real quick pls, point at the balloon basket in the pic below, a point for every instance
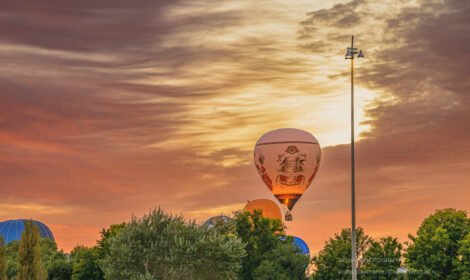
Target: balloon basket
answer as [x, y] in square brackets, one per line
[288, 216]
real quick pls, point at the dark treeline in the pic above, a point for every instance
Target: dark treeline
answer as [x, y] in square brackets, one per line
[249, 246]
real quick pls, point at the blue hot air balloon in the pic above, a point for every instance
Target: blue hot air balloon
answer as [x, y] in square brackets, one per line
[11, 230]
[300, 244]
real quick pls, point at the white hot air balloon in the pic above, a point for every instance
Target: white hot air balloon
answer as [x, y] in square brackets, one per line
[287, 161]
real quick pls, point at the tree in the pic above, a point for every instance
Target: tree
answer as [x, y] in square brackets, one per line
[462, 263]
[334, 260]
[55, 261]
[163, 246]
[433, 251]
[104, 243]
[261, 235]
[29, 255]
[270, 254]
[3, 260]
[86, 264]
[59, 269]
[382, 259]
[285, 262]
[11, 251]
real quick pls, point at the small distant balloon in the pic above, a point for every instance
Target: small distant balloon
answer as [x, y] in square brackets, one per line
[269, 208]
[287, 161]
[300, 244]
[216, 220]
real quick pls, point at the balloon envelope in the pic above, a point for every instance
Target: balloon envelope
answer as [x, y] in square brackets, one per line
[213, 221]
[303, 247]
[269, 208]
[287, 161]
[300, 244]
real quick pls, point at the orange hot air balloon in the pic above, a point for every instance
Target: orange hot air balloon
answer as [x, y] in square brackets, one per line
[269, 208]
[287, 160]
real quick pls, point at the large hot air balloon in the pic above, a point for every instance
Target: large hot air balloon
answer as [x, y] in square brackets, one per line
[287, 160]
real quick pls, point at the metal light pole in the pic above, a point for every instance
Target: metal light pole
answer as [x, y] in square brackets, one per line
[351, 54]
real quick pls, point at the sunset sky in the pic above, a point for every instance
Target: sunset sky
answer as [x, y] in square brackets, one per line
[111, 108]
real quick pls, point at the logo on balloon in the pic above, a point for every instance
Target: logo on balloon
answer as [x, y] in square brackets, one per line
[291, 167]
[262, 172]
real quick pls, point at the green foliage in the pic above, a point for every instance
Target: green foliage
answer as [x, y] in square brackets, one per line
[86, 263]
[334, 260]
[463, 259]
[29, 257]
[260, 235]
[55, 261]
[265, 249]
[11, 251]
[163, 246]
[104, 243]
[381, 260]
[59, 269]
[434, 250]
[3, 260]
[282, 263]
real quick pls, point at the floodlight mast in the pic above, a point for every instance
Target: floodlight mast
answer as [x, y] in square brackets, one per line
[351, 53]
